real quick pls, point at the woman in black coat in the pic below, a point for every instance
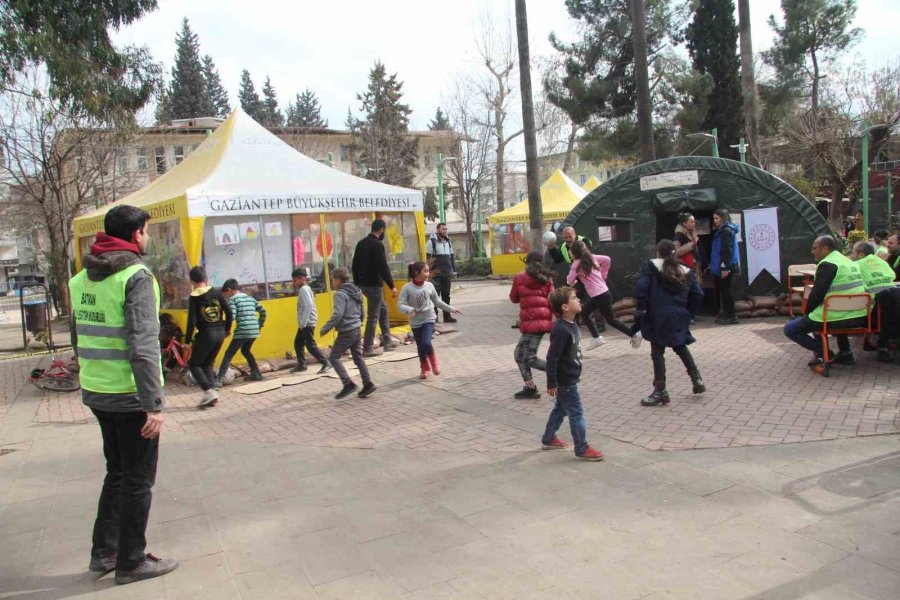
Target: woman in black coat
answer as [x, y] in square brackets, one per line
[667, 297]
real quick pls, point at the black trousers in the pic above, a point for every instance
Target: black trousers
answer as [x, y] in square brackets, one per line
[124, 505]
[244, 345]
[207, 344]
[726, 298]
[306, 339]
[442, 285]
[603, 303]
[889, 301]
[657, 354]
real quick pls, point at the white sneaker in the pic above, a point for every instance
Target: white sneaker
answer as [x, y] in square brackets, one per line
[209, 398]
[636, 340]
[594, 343]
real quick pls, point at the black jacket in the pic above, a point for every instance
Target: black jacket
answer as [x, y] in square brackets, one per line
[564, 354]
[207, 308]
[370, 267]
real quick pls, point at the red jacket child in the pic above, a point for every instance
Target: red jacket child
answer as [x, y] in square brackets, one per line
[530, 289]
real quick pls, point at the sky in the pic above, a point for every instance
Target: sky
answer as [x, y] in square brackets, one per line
[330, 46]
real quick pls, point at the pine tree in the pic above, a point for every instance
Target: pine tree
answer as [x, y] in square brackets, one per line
[188, 95]
[440, 122]
[382, 136]
[712, 39]
[163, 112]
[429, 206]
[271, 116]
[249, 99]
[305, 111]
[218, 97]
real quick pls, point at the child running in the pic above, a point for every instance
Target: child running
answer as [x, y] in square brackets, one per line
[591, 270]
[306, 323]
[209, 312]
[667, 297]
[347, 318]
[418, 299]
[563, 373]
[530, 289]
[245, 309]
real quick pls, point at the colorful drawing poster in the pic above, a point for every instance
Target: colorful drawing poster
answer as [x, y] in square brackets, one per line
[273, 229]
[227, 233]
[249, 231]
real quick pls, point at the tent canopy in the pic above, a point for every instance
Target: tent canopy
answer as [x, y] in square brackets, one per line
[243, 169]
[559, 195]
[591, 184]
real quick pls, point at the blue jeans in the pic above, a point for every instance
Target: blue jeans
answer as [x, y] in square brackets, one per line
[798, 330]
[568, 404]
[423, 335]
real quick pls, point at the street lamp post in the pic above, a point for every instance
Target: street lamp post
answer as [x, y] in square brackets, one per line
[742, 149]
[440, 174]
[865, 170]
[478, 200]
[714, 136]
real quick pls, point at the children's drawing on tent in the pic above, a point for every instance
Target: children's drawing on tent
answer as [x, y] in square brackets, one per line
[273, 229]
[227, 233]
[250, 230]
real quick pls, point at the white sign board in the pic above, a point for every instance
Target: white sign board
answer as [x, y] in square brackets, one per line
[763, 247]
[672, 179]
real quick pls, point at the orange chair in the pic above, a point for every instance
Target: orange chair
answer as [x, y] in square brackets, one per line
[798, 271]
[844, 302]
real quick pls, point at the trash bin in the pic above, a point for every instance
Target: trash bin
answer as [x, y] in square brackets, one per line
[36, 315]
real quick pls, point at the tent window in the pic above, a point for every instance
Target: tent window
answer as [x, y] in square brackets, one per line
[611, 229]
[510, 239]
[306, 240]
[160, 160]
[401, 242]
[167, 259]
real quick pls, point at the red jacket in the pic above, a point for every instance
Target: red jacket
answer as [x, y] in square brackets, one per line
[530, 293]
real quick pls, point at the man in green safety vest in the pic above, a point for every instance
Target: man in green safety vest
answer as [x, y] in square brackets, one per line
[835, 274]
[878, 276]
[115, 304]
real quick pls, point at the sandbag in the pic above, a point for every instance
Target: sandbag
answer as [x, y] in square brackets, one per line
[743, 306]
[763, 302]
[629, 303]
[763, 312]
[785, 311]
[744, 314]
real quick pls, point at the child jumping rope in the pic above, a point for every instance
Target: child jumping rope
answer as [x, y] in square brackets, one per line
[418, 299]
[530, 289]
[667, 297]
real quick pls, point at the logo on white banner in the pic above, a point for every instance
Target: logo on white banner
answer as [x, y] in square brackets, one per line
[763, 250]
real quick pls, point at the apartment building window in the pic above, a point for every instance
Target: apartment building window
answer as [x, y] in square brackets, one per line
[179, 154]
[345, 153]
[123, 161]
[583, 178]
[429, 158]
[141, 155]
[160, 160]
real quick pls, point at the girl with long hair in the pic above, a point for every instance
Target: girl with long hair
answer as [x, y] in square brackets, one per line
[418, 299]
[591, 270]
[530, 289]
[668, 295]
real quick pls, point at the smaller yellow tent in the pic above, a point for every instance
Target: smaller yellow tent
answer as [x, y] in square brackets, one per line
[509, 245]
[591, 184]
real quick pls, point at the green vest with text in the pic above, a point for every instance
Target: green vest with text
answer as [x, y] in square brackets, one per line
[99, 311]
[848, 280]
[565, 249]
[877, 274]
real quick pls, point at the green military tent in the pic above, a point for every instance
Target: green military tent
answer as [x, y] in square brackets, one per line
[626, 216]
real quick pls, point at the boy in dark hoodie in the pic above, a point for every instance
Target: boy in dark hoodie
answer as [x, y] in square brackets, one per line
[209, 312]
[346, 318]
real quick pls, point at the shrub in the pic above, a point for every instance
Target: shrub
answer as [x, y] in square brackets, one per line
[474, 267]
[857, 235]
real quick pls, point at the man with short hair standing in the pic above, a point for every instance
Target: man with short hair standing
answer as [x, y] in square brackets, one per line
[439, 252]
[115, 304]
[893, 259]
[370, 274]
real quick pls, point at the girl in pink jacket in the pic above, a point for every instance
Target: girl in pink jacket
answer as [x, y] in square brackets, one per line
[591, 271]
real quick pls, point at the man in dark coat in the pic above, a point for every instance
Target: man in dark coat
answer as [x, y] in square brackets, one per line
[370, 274]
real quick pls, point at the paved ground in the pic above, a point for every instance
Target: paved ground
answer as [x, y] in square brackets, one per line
[438, 490]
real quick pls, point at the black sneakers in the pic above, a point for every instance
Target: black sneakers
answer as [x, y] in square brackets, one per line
[527, 393]
[102, 564]
[366, 390]
[150, 568]
[345, 391]
[299, 369]
[844, 358]
[325, 368]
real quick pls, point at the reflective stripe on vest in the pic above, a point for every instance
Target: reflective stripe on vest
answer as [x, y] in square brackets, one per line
[848, 280]
[565, 249]
[99, 311]
[877, 275]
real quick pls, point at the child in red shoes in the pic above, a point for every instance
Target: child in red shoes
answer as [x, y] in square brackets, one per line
[418, 299]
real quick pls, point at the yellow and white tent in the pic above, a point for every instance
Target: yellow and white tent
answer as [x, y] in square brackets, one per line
[509, 244]
[591, 184]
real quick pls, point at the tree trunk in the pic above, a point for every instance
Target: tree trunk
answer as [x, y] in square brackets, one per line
[642, 81]
[499, 171]
[535, 211]
[570, 147]
[814, 99]
[836, 208]
[748, 82]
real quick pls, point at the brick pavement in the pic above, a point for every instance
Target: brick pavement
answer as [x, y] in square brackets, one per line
[760, 393]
